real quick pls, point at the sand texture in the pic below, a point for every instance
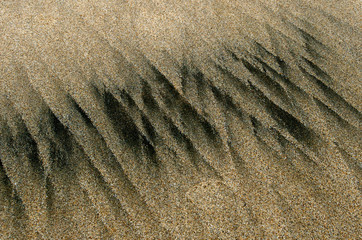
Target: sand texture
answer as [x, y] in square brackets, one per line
[198, 119]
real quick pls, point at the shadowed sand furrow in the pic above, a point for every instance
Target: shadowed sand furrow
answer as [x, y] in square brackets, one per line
[171, 120]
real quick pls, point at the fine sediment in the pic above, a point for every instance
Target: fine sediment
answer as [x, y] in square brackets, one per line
[180, 120]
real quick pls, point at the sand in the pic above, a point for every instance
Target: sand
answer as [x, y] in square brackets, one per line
[180, 119]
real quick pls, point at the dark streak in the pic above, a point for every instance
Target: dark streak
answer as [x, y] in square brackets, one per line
[62, 147]
[121, 121]
[150, 130]
[318, 71]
